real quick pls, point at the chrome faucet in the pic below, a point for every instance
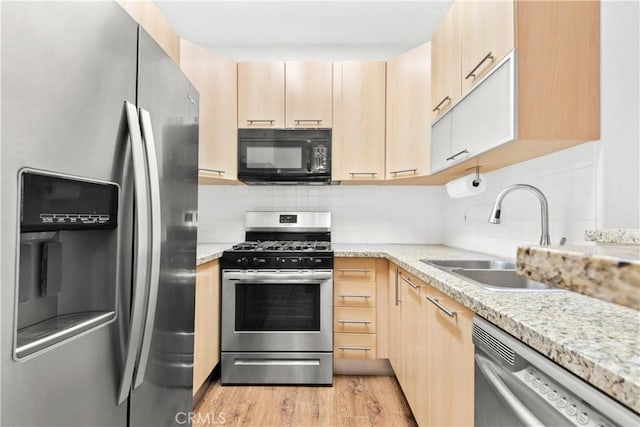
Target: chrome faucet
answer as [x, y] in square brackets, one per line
[545, 240]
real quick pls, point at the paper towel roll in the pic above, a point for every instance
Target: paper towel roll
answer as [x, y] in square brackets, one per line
[466, 186]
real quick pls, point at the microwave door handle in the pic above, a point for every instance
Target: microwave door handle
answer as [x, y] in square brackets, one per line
[309, 157]
[141, 256]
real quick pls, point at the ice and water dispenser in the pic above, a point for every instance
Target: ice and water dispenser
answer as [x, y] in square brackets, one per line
[68, 251]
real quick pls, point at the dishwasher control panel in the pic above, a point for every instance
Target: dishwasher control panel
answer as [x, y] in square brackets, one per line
[565, 402]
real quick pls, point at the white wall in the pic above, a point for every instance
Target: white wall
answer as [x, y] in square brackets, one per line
[594, 185]
[360, 214]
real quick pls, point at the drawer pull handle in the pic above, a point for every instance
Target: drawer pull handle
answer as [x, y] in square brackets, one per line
[364, 322]
[465, 151]
[354, 270]
[446, 98]
[372, 174]
[394, 173]
[219, 172]
[472, 73]
[354, 296]
[437, 303]
[317, 121]
[413, 285]
[252, 121]
[348, 347]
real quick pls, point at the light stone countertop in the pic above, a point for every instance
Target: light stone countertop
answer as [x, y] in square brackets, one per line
[209, 251]
[618, 236]
[596, 340]
[607, 272]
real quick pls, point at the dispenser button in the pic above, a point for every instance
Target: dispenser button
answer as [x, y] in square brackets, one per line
[562, 402]
[553, 395]
[528, 377]
[536, 383]
[572, 410]
[544, 388]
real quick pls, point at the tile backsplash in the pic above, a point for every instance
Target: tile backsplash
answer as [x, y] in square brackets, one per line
[360, 214]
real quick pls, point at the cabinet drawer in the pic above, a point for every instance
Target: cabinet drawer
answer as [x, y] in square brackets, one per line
[354, 346]
[358, 294]
[354, 319]
[354, 269]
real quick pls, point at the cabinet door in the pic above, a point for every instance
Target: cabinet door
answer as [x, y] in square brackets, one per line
[215, 77]
[261, 94]
[206, 342]
[441, 143]
[395, 321]
[486, 117]
[308, 94]
[487, 36]
[359, 125]
[450, 363]
[446, 81]
[409, 113]
[415, 351]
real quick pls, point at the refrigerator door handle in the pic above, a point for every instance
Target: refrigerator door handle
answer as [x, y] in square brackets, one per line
[141, 258]
[156, 224]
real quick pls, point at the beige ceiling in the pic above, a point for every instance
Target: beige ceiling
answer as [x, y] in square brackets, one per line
[306, 30]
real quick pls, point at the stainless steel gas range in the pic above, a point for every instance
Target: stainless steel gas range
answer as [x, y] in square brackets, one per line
[277, 301]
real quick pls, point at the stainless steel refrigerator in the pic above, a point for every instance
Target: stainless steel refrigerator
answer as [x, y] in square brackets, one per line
[99, 202]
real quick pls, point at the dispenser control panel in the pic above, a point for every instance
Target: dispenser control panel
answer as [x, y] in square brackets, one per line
[54, 202]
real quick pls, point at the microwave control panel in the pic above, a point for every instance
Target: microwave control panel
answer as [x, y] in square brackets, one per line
[320, 155]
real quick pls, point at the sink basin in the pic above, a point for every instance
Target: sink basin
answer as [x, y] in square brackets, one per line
[483, 264]
[494, 274]
[502, 279]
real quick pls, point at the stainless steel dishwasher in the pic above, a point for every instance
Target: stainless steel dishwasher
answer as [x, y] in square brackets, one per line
[517, 386]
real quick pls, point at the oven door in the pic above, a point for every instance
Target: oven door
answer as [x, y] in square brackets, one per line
[277, 310]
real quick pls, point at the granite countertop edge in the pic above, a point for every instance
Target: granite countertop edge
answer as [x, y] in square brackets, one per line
[591, 338]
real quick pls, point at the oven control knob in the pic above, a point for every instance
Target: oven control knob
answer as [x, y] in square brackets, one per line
[242, 261]
[281, 260]
[256, 261]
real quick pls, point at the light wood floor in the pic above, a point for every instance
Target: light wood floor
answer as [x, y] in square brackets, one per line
[352, 401]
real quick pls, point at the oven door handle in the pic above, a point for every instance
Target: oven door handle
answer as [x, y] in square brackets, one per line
[264, 277]
[489, 371]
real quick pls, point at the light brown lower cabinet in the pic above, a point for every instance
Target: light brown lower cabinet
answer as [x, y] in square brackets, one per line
[431, 352]
[206, 342]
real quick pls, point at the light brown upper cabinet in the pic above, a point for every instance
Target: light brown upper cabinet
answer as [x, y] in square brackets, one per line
[308, 94]
[278, 94]
[214, 76]
[358, 142]
[446, 67]
[518, 104]
[408, 114]
[261, 94]
[487, 36]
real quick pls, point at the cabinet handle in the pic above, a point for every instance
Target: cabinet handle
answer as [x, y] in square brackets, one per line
[465, 151]
[348, 347]
[394, 173]
[446, 98]
[354, 296]
[472, 73]
[373, 174]
[252, 121]
[354, 270]
[437, 303]
[363, 322]
[219, 172]
[397, 296]
[413, 285]
[317, 121]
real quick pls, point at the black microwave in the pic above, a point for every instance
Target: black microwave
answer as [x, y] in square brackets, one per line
[284, 156]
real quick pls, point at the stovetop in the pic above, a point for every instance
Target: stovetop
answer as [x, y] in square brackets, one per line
[283, 246]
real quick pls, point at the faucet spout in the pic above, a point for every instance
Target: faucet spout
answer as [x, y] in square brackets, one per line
[494, 218]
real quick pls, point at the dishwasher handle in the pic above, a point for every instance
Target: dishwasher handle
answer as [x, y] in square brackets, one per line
[489, 371]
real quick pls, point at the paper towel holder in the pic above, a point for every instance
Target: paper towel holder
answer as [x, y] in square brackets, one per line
[476, 182]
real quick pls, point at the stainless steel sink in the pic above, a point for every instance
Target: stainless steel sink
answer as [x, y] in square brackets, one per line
[481, 264]
[502, 279]
[494, 274]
